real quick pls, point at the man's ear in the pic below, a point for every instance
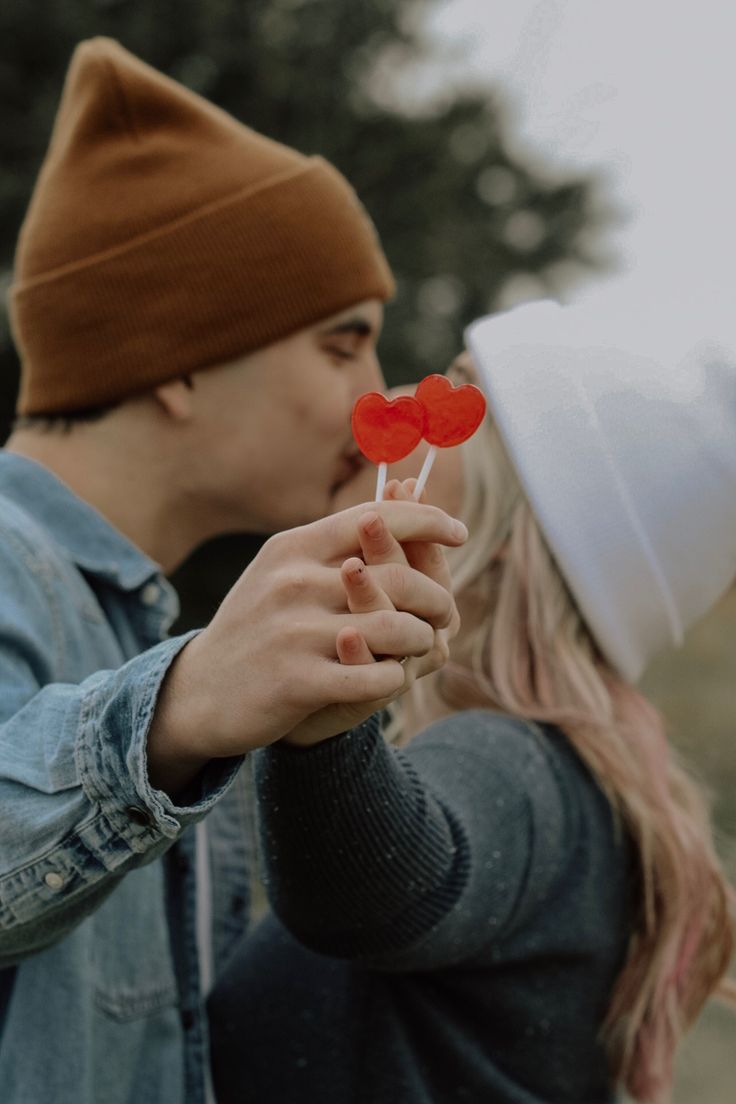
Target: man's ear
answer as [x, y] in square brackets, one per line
[175, 399]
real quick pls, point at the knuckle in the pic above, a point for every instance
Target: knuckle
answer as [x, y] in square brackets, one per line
[449, 612]
[283, 546]
[412, 636]
[435, 555]
[443, 605]
[383, 544]
[432, 557]
[293, 636]
[428, 635]
[290, 584]
[396, 583]
[401, 633]
[386, 626]
[439, 603]
[453, 626]
[273, 547]
[338, 533]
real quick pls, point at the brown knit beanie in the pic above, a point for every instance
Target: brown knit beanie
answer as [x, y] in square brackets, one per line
[163, 237]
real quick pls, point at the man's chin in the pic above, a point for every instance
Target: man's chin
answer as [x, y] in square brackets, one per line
[268, 525]
[352, 492]
[342, 497]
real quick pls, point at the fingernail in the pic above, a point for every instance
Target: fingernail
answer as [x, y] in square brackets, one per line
[459, 530]
[374, 528]
[357, 573]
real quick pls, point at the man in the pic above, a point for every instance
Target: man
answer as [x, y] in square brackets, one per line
[196, 309]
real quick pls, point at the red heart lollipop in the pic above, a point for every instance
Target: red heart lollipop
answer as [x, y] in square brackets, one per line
[453, 413]
[387, 431]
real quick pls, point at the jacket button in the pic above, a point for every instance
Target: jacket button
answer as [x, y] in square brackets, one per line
[53, 880]
[139, 816]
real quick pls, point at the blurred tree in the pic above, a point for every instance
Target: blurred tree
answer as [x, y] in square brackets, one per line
[466, 225]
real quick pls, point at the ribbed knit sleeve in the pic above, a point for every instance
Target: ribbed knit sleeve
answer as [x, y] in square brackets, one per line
[416, 858]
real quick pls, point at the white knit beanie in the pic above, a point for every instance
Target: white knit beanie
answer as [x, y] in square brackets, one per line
[621, 423]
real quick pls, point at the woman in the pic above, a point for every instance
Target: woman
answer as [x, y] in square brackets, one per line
[522, 904]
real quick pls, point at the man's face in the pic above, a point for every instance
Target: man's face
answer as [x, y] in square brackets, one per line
[280, 419]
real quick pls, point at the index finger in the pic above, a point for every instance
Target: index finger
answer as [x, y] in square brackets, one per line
[337, 536]
[423, 556]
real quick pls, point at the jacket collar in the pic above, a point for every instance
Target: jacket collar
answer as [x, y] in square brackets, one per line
[87, 538]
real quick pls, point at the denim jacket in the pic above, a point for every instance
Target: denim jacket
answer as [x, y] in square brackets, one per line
[99, 977]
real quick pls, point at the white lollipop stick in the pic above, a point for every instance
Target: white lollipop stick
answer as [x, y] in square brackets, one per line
[381, 481]
[424, 473]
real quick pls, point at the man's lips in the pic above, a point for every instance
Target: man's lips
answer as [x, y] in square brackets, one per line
[350, 464]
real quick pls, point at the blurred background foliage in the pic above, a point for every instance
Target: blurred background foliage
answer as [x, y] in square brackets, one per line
[466, 224]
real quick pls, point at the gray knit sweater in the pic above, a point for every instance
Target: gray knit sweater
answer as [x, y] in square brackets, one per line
[466, 904]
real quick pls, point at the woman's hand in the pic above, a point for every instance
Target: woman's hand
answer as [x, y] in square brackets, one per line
[384, 569]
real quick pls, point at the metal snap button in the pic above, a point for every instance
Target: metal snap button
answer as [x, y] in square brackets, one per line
[139, 816]
[53, 880]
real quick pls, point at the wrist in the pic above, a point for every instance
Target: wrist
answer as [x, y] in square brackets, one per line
[175, 752]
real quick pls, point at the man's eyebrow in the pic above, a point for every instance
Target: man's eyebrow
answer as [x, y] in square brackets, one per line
[359, 326]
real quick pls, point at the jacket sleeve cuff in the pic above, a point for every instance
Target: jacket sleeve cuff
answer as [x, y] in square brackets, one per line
[111, 750]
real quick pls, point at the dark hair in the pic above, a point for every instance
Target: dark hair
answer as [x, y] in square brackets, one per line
[61, 423]
[64, 423]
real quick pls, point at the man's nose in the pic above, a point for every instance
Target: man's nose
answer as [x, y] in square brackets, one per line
[370, 377]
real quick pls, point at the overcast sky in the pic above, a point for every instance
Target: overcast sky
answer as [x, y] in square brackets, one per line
[643, 88]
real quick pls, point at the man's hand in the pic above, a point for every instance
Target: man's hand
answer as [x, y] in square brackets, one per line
[364, 594]
[268, 659]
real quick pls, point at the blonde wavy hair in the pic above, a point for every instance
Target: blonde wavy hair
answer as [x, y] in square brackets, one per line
[530, 654]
